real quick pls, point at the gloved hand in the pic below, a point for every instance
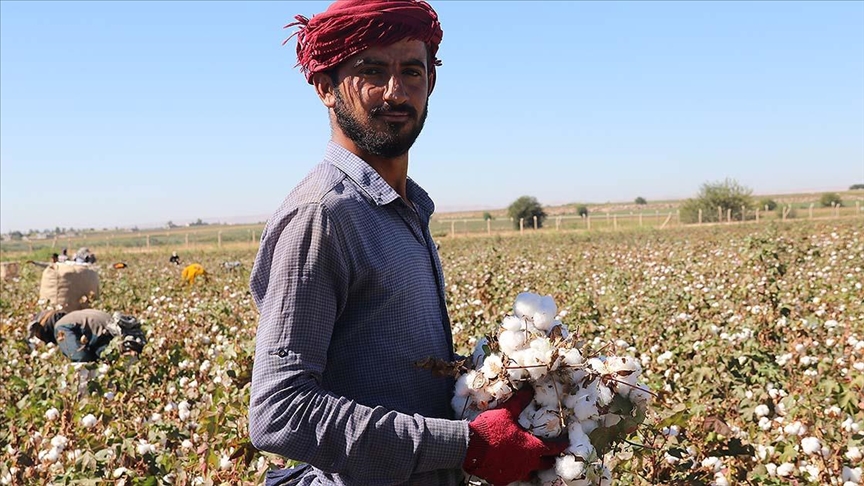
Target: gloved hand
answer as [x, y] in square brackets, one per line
[500, 451]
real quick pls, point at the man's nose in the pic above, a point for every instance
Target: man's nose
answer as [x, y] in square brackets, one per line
[394, 92]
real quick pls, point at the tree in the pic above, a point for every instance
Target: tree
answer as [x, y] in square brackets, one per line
[526, 207]
[487, 216]
[171, 225]
[855, 187]
[830, 199]
[726, 195]
[641, 201]
[582, 211]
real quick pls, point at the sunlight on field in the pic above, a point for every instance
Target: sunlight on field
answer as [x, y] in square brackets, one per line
[753, 335]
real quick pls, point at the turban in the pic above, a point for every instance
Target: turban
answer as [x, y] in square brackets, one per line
[350, 26]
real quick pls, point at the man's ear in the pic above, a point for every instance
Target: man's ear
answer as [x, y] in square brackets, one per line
[433, 76]
[325, 88]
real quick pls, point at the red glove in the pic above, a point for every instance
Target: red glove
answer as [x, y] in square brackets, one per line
[500, 451]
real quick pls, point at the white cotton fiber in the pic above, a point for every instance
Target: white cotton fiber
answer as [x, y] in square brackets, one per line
[569, 468]
[546, 393]
[513, 323]
[511, 341]
[526, 305]
[492, 366]
[544, 314]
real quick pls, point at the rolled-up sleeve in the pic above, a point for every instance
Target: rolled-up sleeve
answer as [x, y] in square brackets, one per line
[300, 282]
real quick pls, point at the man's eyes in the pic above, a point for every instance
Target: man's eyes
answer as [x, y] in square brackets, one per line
[379, 72]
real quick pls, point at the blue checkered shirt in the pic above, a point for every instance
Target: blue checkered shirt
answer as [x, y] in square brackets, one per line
[351, 294]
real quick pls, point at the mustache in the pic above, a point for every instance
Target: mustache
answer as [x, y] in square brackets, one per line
[387, 108]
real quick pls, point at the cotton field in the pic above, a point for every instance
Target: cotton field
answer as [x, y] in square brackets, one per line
[751, 337]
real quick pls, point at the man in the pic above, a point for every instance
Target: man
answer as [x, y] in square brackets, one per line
[349, 284]
[83, 335]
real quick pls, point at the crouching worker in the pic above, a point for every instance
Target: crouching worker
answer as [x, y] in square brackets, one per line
[83, 335]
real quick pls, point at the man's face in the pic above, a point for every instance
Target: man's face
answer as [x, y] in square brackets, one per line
[381, 98]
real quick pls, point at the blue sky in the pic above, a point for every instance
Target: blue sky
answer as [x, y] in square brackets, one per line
[136, 113]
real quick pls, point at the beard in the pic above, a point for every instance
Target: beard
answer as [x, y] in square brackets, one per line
[387, 143]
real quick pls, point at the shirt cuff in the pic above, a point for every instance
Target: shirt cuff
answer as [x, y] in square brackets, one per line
[446, 446]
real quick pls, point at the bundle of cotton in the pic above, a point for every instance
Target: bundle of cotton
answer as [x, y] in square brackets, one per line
[595, 400]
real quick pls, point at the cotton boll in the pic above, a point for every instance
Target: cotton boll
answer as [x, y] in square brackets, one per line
[604, 395]
[572, 357]
[89, 420]
[546, 392]
[500, 390]
[513, 323]
[461, 388]
[526, 305]
[811, 445]
[852, 475]
[511, 341]
[623, 366]
[493, 366]
[543, 347]
[580, 444]
[545, 312]
[639, 396]
[569, 468]
[531, 363]
[583, 403]
[546, 423]
[598, 365]
[526, 417]
[482, 399]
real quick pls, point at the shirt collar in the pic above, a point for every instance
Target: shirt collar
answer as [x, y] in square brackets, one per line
[368, 179]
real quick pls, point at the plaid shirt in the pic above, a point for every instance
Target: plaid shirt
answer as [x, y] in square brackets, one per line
[351, 294]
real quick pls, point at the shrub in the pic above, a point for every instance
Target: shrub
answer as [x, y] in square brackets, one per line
[641, 201]
[726, 195]
[582, 211]
[487, 216]
[830, 199]
[768, 204]
[526, 207]
[855, 187]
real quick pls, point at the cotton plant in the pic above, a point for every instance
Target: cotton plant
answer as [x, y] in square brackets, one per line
[591, 400]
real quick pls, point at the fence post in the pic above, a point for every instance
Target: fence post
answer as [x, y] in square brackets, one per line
[452, 227]
[857, 207]
[719, 214]
[729, 215]
[219, 236]
[640, 219]
[757, 214]
[488, 226]
[187, 240]
[588, 220]
[615, 221]
[521, 225]
[557, 223]
[678, 216]
[743, 213]
[54, 243]
[700, 216]
[810, 211]
[148, 240]
[785, 212]
[535, 221]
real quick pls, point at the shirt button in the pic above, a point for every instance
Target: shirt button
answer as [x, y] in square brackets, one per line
[282, 353]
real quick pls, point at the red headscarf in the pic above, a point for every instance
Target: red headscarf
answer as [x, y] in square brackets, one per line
[350, 26]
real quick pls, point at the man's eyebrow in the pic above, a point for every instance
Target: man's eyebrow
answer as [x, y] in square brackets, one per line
[369, 61]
